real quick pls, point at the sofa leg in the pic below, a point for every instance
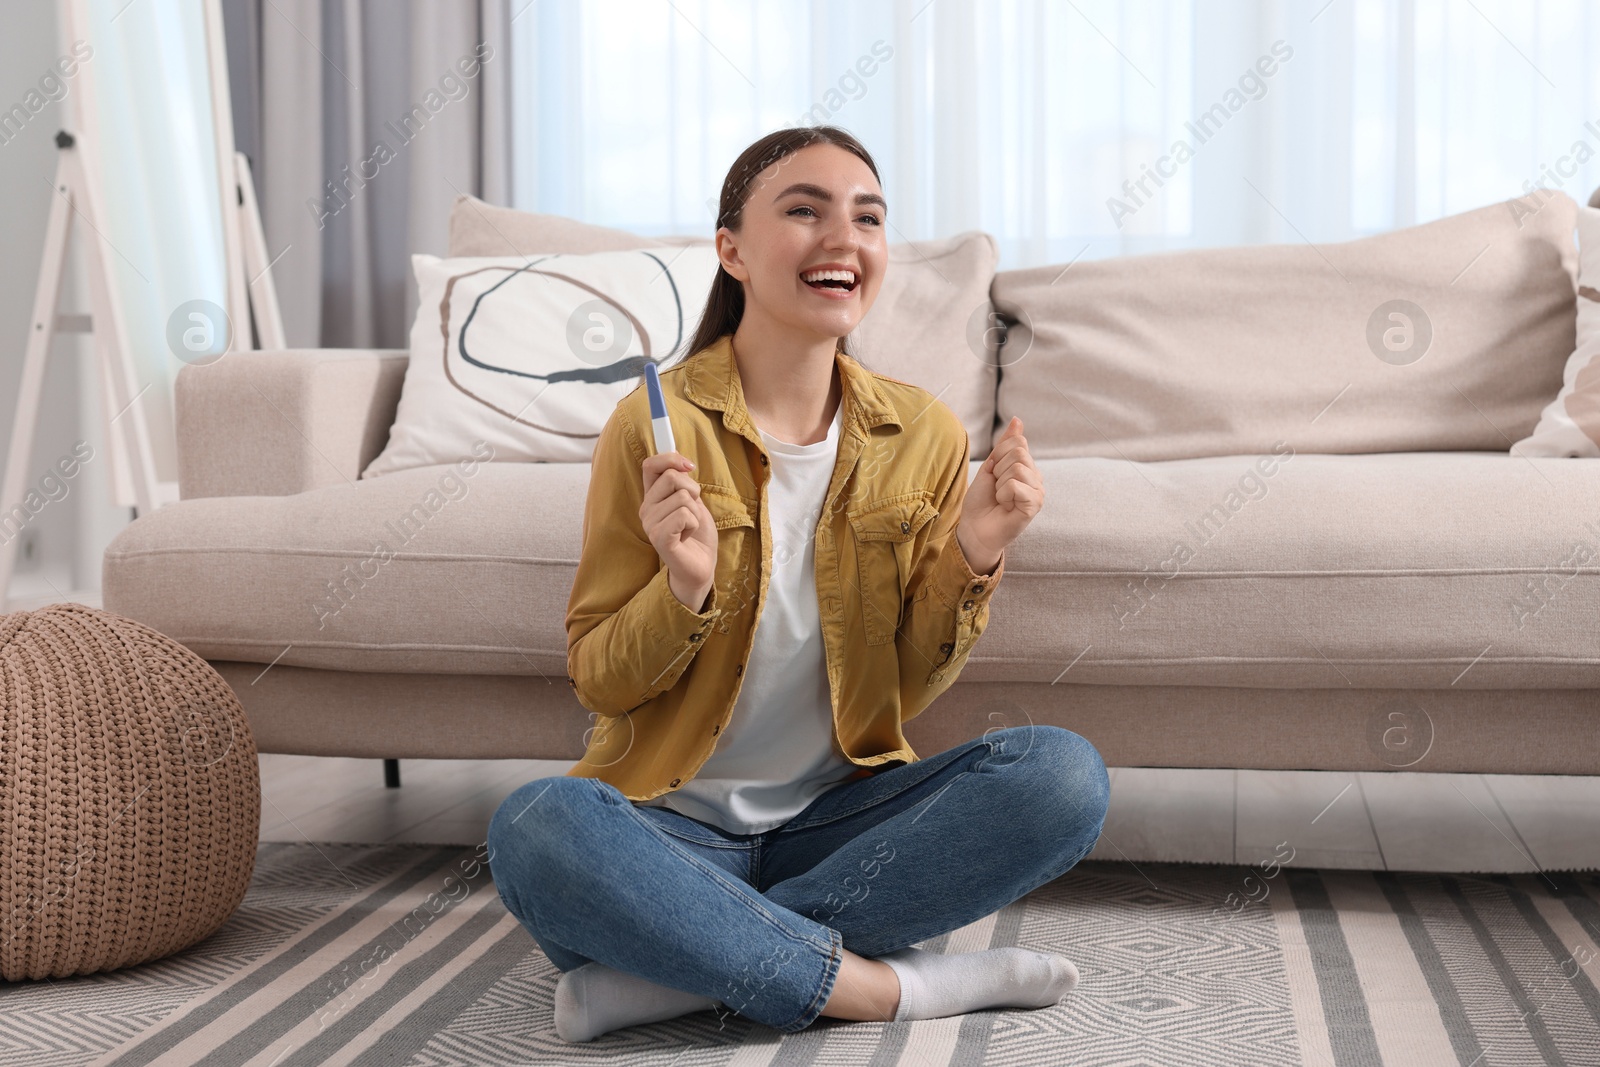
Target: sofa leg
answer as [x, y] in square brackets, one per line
[391, 773]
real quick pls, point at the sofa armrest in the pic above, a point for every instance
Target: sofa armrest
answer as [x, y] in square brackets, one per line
[279, 423]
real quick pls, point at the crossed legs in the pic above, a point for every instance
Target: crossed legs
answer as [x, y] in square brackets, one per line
[797, 928]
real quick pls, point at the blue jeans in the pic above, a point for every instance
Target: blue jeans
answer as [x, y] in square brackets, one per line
[758, 921]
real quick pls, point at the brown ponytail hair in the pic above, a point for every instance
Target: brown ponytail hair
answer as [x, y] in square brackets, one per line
[757, 165]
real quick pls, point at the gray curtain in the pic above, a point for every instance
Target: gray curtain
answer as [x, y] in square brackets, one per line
[363, 119]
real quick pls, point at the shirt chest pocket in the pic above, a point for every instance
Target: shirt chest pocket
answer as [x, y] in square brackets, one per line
[738, 577]
[885, 537]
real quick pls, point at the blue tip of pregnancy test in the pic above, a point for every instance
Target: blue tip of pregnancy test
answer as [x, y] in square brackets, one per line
[652, 381]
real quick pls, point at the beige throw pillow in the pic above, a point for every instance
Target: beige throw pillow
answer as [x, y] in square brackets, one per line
[1570, 424]
[1450, 335]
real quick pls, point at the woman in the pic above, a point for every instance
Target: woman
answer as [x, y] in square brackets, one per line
[748, 827]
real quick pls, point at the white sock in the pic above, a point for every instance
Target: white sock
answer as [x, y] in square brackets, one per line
[933, 985]
[595, 999]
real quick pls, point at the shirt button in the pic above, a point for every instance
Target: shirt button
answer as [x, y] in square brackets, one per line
[905, 527]
[696, 637]
[675, 781]
[739, 669]
[715, 728]
[763, 459]
[946, 648]
[571, 681]
[967, 606]
[978, 588]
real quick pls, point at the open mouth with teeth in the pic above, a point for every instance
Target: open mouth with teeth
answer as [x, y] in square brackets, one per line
[841, 280]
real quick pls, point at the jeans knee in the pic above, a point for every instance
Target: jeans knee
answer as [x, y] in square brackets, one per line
[1084, 777]
[1068, 785]
[530, 820]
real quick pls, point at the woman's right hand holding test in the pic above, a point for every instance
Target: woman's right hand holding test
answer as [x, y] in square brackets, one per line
[680, 527]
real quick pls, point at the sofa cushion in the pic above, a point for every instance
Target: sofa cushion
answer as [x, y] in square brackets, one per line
[1311, 571]
[461, 568]
[1408, 570]
[479, 228]
[927, 326]
[1448, 335]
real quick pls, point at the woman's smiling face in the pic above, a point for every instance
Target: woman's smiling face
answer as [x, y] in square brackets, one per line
[820, 207]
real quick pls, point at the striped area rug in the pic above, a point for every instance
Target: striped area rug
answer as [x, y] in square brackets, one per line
[404, 954]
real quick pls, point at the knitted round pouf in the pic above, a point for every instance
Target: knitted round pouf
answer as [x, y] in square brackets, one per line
[130, 798]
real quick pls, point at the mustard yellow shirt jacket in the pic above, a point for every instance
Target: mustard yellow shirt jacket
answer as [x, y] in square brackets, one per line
[900, 606]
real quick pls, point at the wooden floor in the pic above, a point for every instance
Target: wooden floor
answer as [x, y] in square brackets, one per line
[1399, 820]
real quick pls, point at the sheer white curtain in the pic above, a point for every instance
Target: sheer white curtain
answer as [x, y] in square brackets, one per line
[1068, 128]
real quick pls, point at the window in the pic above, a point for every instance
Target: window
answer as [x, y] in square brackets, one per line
[1057, 126]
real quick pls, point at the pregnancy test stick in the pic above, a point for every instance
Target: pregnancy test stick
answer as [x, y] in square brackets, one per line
[658, 410]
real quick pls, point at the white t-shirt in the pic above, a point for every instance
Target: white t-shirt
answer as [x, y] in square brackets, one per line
[776, 755]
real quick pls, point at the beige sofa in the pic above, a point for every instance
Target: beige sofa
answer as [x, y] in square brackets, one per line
[1371, 581]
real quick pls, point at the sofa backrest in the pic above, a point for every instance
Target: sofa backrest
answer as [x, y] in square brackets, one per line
[928, 325]
[1450, 335]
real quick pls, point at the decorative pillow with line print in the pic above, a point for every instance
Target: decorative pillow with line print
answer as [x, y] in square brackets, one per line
[532, 353]
[1570, 424]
